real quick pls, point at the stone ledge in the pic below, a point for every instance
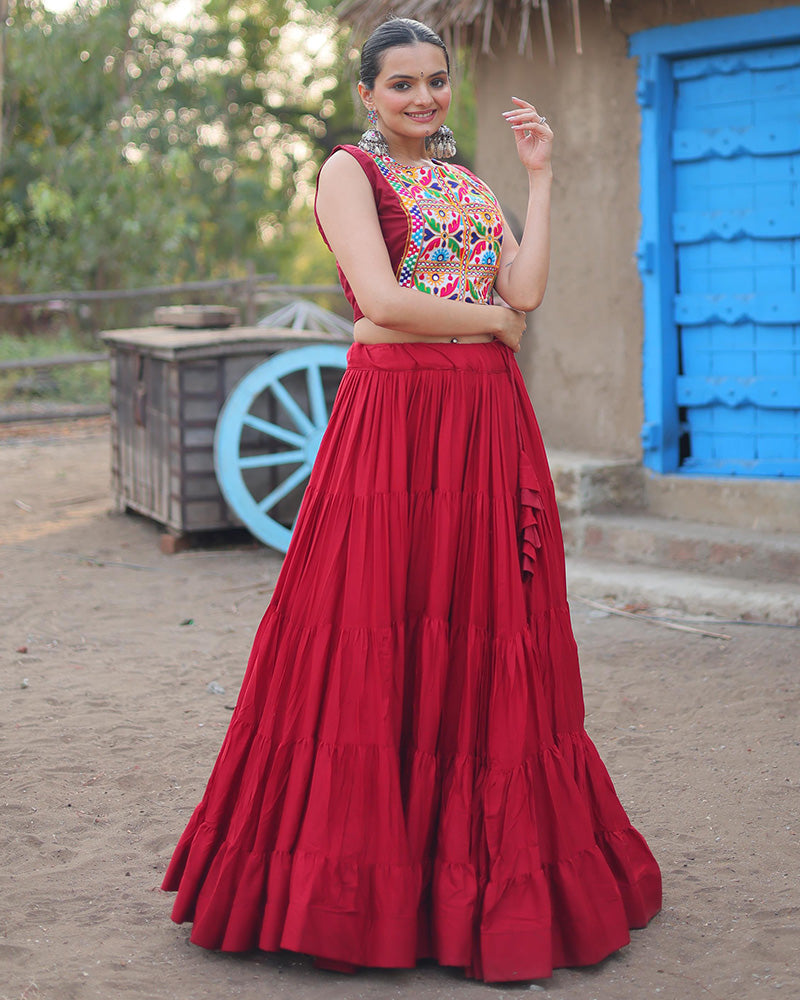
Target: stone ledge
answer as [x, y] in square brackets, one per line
[754, 504]
[689, 546]
[688, 592]
[587, 484]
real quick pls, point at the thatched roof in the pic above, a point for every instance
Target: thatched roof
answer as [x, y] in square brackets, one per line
[474, 23]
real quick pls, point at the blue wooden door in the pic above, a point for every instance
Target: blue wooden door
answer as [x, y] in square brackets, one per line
[736, 231]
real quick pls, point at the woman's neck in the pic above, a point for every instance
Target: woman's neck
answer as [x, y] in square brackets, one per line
[410, 154]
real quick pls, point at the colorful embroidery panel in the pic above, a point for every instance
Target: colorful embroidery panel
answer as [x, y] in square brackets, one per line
[455, 230]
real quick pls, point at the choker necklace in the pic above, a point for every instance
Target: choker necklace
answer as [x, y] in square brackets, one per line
[414, 166]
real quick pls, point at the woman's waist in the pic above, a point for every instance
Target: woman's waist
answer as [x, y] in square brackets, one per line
[485, 355]
[367, 332]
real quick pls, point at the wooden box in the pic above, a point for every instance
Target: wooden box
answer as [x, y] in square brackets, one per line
[167, 388]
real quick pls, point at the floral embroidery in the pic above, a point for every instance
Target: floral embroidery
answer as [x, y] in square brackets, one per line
[441, 254]
[454, 220]
[444, 283]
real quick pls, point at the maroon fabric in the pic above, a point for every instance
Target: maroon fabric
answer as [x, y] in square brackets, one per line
[406, 773]
[392, 216]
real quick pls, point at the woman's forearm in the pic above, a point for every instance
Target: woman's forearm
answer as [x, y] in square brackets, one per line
[412, 311]
[522, 282]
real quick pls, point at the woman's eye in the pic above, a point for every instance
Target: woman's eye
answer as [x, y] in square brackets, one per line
[438, 83]
[401, 86]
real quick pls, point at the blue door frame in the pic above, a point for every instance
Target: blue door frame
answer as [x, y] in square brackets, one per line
[658, 50]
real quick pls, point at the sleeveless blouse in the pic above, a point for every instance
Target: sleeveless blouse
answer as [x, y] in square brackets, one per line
[442, 226]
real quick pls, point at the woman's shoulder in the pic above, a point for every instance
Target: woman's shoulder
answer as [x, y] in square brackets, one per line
[347, 161]
[347, 153]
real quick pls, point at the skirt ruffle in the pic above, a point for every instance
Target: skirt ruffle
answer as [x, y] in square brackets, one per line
[531, 507]
[406, 774]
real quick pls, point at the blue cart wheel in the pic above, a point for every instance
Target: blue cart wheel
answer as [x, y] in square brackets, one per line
[268, 434]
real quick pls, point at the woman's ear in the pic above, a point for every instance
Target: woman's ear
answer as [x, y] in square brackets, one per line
[366, 96]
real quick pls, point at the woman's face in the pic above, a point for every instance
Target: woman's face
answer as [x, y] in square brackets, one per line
[412, 91]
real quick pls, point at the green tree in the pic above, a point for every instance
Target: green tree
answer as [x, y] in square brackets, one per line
[138, 149]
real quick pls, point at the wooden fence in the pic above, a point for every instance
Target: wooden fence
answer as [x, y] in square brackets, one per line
[254, 291]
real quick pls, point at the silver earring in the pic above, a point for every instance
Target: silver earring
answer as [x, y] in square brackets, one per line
[373, 140]
[442, 144]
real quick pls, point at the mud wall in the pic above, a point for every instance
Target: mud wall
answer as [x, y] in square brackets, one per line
[582, 354]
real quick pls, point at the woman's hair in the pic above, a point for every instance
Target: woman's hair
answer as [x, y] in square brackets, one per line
[395, 31]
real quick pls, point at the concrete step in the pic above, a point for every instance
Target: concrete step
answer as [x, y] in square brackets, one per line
[758, 504]
[725, 546]
[691, 593]
[591, 484]
[587, 483]
[688, 546]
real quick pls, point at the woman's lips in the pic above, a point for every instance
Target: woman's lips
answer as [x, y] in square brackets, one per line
[421, 116]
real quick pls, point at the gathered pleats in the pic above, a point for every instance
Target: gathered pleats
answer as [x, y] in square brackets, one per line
[406, 773]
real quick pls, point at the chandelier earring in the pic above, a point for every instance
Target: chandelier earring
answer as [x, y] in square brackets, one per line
[442, 144]
[373, 140]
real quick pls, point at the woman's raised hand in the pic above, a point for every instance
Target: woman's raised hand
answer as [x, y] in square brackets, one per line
[533, 135]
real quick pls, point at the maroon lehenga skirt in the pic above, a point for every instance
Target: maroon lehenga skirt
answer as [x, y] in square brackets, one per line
[406, 774]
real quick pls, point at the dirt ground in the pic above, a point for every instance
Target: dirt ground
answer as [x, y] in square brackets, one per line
[108, 732]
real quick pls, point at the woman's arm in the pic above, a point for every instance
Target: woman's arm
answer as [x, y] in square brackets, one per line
[346, 210]
[524, 266]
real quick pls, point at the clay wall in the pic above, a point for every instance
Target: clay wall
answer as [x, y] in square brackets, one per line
[582, 354]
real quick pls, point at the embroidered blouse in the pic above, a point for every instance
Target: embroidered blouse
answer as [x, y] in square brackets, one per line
[442, 226]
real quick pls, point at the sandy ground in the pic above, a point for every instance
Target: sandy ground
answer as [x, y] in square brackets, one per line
[108, 732]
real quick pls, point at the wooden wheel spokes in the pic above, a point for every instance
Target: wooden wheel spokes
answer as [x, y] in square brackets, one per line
[284, 401]
[285, 488]
[275, 458]
[273, 430]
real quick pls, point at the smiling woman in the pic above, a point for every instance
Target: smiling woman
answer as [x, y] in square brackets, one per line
[406, 774]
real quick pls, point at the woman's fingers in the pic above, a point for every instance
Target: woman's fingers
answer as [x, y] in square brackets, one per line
[514, 327]
[525, 118]
[523, 108]
[528, 118]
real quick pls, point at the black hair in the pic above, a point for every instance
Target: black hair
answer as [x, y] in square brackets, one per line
[396, 31]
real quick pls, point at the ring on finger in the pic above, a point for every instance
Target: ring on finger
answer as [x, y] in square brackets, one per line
[542, 120]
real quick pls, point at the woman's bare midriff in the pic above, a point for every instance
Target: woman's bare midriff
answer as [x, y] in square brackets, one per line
[367, 332]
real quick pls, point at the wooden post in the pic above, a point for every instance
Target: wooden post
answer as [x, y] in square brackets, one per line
[250, 294]
[3, 29]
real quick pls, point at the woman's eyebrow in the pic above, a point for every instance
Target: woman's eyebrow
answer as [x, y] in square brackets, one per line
[411, 76]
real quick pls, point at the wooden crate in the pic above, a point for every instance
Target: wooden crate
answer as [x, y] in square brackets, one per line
[167, 388]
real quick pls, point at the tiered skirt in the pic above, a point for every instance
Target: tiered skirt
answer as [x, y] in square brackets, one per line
[406, 774]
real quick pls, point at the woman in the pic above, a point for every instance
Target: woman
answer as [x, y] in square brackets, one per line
[406, 774]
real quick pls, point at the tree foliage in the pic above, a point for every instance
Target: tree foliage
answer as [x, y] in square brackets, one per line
[140, 149]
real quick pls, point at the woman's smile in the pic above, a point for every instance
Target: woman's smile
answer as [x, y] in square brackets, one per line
[422, 116]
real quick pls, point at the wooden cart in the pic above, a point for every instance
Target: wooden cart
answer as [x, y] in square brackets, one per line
[169, 389]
